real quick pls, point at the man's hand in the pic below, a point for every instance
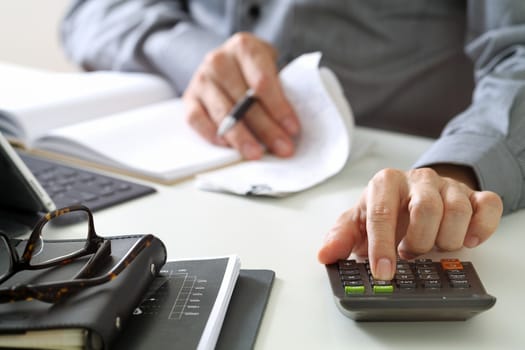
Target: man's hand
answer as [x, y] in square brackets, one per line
[410, 213]
[242, 62]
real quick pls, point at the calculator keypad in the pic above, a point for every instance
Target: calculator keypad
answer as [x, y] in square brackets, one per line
[424, 274]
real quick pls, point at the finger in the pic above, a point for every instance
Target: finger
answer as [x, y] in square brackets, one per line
[383, 202]
[269, 132]
[198, 119]
[258, 66]
[223, 69]
[457, 212]
[342, 238]
[488, 209]
[425, 209]
[218, 105]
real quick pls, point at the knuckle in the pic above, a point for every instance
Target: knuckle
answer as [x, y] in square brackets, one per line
[216, 60]
[243, 41]
[423, 206]
[458, 208]
[423, 174]
[262, 83]
[199, 79]
[386, 175]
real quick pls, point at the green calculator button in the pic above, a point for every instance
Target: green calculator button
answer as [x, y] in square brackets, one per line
[383, 289]
[354, 289]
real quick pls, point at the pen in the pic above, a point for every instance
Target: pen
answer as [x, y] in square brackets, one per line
[237, 113]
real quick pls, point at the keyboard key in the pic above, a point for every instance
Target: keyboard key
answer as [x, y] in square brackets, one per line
[68, 185]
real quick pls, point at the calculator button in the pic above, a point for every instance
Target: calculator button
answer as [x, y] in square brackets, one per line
[406, 284]
[457, 276]
[350, 277]
[347, 264]
[432, 284]
[403, 266]
[431, 276]
[459, 284]
[425, 270]
[380, 289]
[350, 272]
[400, 276]
[375, 282]
[354, 290]
[353, 283]
[451, 264]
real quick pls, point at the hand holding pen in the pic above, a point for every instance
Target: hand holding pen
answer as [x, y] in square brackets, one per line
[237, 113]
[239, 82]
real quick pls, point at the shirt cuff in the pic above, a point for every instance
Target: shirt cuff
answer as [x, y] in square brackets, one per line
[176, 53]
[493, 163]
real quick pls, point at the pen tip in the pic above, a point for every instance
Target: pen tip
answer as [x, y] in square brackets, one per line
[225, 125]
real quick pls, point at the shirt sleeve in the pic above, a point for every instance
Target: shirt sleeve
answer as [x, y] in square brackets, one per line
[489, 136]
[156, 36]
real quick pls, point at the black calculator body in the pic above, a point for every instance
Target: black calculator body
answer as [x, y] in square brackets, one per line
[422, 290]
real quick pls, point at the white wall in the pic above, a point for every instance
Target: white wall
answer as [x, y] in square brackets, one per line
[29, 33]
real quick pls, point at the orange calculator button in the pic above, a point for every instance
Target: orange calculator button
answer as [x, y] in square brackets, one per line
[451, 264]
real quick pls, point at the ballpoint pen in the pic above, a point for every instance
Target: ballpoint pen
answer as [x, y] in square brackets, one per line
[237, 113]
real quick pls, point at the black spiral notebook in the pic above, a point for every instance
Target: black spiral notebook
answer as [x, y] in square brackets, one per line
[176, 311]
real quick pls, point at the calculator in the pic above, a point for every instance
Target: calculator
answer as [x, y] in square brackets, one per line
[422, 290]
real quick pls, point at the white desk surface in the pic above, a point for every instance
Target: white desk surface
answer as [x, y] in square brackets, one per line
[284, 235]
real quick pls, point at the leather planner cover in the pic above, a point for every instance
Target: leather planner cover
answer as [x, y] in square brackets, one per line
[95, 314]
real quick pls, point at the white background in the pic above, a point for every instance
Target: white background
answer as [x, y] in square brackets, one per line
[29, 33]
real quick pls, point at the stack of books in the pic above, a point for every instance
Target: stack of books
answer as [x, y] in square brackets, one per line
[152, 304]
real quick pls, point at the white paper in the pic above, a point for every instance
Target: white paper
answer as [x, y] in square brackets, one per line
[322, 149]
[40, 100]
[154, 140]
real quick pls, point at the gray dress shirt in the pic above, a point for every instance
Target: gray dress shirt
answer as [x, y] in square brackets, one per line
[450, 69]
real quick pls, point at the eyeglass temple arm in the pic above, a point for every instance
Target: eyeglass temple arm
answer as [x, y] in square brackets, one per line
[96, 261]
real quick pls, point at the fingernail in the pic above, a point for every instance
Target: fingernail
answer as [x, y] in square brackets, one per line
[383, 269]
[282, 147]
[291, 126]
[251, 150]
[471, 241]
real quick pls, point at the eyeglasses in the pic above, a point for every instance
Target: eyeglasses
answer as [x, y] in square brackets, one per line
[35, 256]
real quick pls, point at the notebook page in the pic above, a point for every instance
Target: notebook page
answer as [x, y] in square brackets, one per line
[33, 101]
[154, 141]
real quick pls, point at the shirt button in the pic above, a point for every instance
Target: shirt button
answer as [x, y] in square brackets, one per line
[254, 11]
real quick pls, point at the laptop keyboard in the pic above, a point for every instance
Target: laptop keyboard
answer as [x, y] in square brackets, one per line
[68, 185]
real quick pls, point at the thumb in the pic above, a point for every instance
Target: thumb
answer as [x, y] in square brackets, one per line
[341, 239]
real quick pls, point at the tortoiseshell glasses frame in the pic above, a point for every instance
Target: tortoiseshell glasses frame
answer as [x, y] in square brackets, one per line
[96, 246]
